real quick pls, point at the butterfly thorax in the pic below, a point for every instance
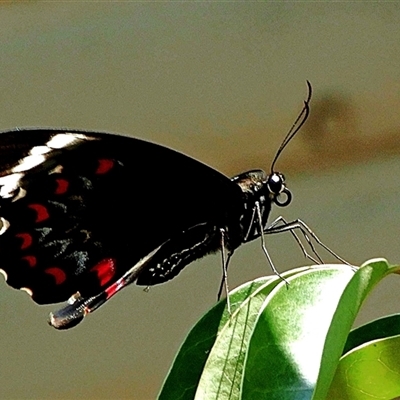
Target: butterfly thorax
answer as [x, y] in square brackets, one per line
[260, 190]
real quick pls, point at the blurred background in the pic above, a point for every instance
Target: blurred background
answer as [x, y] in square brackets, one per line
[221, 82]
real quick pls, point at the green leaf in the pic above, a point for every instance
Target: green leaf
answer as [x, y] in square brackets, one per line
[371, 371]
[280, 342]
[378, 329]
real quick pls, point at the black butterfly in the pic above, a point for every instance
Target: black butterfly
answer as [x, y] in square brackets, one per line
[84, 214]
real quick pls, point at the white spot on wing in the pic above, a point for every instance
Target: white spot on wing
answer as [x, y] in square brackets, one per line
[4, 273]
[56, 170]
[38, 150]
[9, 184]
[27, 290]
[29, 162]
[65, 139]
[4, 225]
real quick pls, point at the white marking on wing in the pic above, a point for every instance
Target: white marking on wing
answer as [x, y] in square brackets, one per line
[4, 273]
[27, 290]
[9, 184]
[66, 139]
[29, 162]
[38, 150]
[5, 225]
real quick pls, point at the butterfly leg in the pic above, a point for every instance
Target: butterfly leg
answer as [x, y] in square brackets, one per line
[263, 246]
[281, 220]
[225, 263]
[305, 230]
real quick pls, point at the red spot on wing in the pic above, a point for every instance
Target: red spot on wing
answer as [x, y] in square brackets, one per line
[26, 240]
[31, 260]
[111, 290]
[105, 165]
[42, 213]
[62, 186]
[115, 288]
[58, 274]
[105, 270]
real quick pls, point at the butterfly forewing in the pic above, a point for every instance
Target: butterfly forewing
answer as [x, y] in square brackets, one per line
[79, 209]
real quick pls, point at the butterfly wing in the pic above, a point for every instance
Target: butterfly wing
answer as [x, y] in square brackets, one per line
[79, 209]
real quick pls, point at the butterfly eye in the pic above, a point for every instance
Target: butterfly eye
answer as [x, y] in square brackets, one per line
[276, 186]
[276, 183]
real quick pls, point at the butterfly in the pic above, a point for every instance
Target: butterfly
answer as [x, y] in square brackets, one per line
[84, 214]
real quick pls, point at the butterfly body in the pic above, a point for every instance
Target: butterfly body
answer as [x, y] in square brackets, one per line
[80, 209]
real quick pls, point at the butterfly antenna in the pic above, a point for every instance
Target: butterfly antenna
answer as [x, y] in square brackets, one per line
[298, 123]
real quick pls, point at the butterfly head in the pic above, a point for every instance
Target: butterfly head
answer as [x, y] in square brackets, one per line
[277, 190]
